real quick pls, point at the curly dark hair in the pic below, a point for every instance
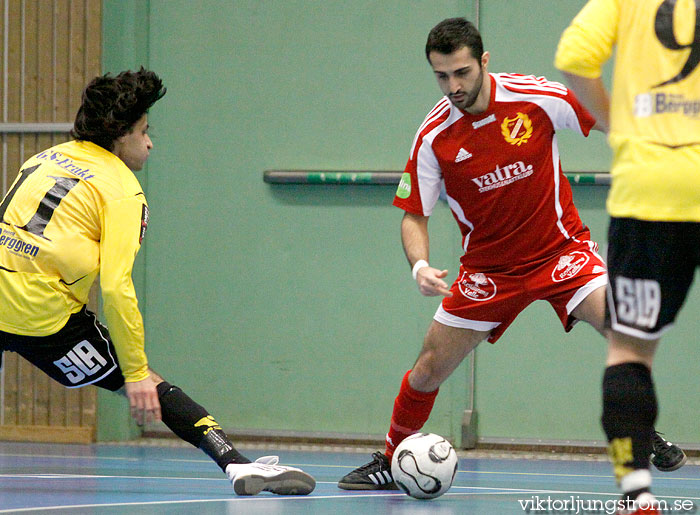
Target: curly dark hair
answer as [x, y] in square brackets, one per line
[452, 34]
[110, 106]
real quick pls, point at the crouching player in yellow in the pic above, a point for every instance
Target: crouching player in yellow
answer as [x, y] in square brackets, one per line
[76, 210]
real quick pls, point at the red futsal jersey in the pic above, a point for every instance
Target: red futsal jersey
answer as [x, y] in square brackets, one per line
[501, 171]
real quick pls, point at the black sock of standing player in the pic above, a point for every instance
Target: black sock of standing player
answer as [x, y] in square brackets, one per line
[192, 423]
[629, 413]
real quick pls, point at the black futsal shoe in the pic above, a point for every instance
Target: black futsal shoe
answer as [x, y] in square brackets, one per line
[667, 456]
[375, 475]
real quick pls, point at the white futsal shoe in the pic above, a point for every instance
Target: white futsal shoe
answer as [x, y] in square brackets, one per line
[265, 474]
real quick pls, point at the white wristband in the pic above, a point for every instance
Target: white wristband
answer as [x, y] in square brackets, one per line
[421, 263]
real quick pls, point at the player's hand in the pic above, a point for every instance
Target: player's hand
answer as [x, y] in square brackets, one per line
[430, 282]
[143, 401]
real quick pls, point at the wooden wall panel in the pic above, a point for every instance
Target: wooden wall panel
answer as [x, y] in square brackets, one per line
[11, 108]
[49, 51]
[93, 35]
[76, 57]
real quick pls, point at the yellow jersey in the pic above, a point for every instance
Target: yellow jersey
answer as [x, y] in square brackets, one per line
[655, 100]
[74, 211]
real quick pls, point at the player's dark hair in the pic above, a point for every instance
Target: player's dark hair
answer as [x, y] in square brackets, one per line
[452, 34]
[110, 106]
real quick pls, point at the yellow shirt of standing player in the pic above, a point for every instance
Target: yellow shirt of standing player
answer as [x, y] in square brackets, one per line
[655, 102]
[74, 211]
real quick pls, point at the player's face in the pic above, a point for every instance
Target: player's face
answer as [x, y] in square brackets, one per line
[133, 148]
[461, 77]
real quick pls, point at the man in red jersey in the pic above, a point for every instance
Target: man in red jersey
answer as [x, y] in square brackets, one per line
[492, 141]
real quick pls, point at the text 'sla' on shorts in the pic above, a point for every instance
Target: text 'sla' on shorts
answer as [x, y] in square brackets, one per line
[491, 301]
[651, 267]
[81, 353]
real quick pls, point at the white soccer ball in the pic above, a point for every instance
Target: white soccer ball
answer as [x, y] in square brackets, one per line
[424, 465]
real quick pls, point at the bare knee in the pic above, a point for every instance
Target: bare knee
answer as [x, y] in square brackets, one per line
[424, 376]
[443, 350]
[592, 310]
[627, 349]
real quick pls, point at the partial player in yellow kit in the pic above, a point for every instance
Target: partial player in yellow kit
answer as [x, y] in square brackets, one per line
[75, 211]
[653, 116]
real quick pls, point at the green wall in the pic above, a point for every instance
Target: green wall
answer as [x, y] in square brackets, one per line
[291, 308]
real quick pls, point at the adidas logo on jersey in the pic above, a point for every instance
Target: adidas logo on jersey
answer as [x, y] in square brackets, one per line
[462, 155]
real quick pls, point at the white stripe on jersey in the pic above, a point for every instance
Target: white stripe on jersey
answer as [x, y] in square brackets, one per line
[532, 82]
[529, 87]
[429, 177]
[439, 106]
[459, 213]
[559, 111]
[433, 115]
[557, 203]
[427, 167]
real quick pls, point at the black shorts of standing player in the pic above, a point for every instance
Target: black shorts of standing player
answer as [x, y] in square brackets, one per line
[81, 353]
[651, 266]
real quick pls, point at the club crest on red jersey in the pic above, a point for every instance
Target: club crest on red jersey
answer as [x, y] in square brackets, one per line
[517, 130]
[477, 286]
[569, 265]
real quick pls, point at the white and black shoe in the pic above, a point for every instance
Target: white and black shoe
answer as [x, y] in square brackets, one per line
[667, 456]
[265, 474]
[375, 475]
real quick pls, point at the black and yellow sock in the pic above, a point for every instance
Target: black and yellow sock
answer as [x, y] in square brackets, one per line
[629, 413]
[192, 423]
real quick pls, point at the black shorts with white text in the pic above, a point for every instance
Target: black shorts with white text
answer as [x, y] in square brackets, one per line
[651, 266]
[81, 353]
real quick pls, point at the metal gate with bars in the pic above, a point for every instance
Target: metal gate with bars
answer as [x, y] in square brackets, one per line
[49, 50]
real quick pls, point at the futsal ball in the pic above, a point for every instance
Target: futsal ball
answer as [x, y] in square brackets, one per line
[424, 465]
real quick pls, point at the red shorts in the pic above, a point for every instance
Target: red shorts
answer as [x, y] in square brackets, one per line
[490, 302]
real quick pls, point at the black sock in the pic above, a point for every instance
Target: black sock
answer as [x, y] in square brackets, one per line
[629, 413]
[192, 423]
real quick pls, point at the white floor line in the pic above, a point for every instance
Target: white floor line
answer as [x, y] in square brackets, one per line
[482, 491]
